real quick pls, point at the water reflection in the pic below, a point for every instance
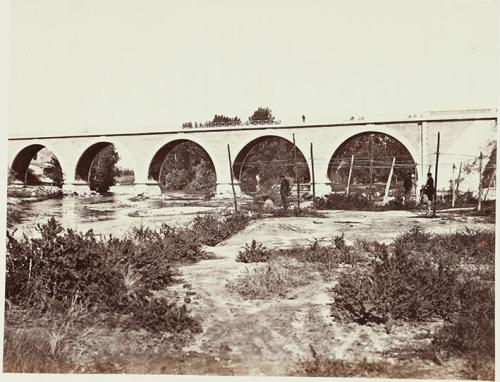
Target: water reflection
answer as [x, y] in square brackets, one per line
[116, 214]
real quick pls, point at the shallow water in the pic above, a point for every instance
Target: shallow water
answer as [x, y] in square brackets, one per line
[116, 214]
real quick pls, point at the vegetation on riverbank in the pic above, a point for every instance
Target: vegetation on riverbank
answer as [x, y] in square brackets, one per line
[420, 277]
[68, 284]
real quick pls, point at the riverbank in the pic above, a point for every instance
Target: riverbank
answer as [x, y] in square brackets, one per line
[263, 336]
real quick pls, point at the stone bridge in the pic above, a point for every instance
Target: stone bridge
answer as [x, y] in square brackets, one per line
[464, 132]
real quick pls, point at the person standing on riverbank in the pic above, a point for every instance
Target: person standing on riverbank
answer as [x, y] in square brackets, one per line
[428, 193]
[284, 191]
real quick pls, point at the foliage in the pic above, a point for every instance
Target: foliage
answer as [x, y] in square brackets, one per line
[223, 120]
[61, 267]
[352, 201]
[330, 367]
[211, 230]
[187, 167]
[294, 212]
[275, 278]
[420, 279]
[489, 168]
[381, 147]
[253, 253]
[55, 173]
[472, 330]
[12, 176]
[158, 315]
[262, 115]
[269, 159]
[468, 245]
[33, 349]
[103, 171]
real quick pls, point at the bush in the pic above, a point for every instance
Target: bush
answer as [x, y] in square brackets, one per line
[56, 267]
[253, 253]
[294, 212]
[421, 278]
[159, 315]
[467, 244]
[472, 330]
[353, 201]
[331, 367]
[275, 278]
[211, 230]
[113, 276]
[329, 255]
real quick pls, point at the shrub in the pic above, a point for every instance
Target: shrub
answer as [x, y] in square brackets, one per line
[159, 315]
[353, 201]
[255, 252]
[56, 267]
[114, 276]
[420, 278]
[472, 330]
[466, 244]
[401, 286]
[275, 278]
[294, 212]
[211, 230]
[329, 255]
[330, 367]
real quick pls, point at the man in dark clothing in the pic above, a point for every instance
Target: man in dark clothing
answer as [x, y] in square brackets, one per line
[407, 185]
[428, 193]
[284, 191]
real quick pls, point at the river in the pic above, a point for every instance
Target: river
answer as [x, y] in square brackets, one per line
[116, 214]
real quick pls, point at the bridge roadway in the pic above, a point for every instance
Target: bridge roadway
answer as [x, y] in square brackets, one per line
[464, 132]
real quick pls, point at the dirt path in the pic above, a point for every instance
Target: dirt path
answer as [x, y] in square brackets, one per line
[271, 337]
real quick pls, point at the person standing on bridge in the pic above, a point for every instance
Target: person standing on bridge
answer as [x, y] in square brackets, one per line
[284, 191]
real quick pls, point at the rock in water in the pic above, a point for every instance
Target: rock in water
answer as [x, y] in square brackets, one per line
[268, 204]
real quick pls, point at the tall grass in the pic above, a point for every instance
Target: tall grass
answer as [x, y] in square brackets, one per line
[63, 280]
[273, 279]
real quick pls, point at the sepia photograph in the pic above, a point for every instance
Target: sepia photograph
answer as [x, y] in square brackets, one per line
[261, 189]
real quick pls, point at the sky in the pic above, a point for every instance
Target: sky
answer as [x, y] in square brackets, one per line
[104, 66]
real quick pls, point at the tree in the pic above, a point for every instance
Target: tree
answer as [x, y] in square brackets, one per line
[223, 120]
[187, 167]
[381, 147]
[103, 170]
[262, 115]
[55, 173]
[269, 159]
[489, 169]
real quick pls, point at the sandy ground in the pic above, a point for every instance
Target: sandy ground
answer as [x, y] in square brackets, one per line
[271, 337]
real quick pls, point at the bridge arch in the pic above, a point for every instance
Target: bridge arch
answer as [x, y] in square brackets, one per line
[22, 159]
[85, 158]
[285, 165]
[156, 162]
[406, 158]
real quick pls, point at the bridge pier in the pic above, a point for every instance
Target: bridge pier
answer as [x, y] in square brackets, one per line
[224, 190]
[78, 187]
[322, 189]
[147, 189]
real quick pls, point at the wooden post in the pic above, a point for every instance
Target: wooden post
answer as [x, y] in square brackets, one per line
[436, 177]
[388, 184]
[232, 178]
[490, 183]
[458, 180]
[453, 181]
[312, 170]
[480, 191]
[296, 172]
[350, 174]
[371, 173]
